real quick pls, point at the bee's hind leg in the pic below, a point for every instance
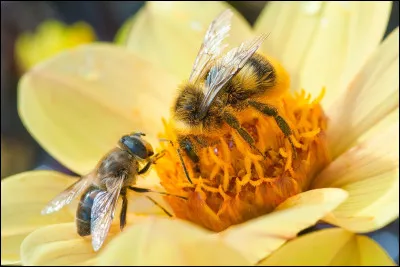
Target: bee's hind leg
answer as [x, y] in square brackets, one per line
[180, 158]
[187, 145]
[233, 122]
[122, 215]
[273, 112]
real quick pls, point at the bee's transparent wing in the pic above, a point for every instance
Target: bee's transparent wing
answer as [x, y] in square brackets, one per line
[103, 210]
[212, 43]
[225, 68]
[66, 196]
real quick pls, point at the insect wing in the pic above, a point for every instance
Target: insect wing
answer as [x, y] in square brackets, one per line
[225, 68]
[212, 43]
[103, 210]
[66, 196]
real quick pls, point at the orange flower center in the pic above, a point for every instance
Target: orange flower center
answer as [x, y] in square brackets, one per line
[232, 183]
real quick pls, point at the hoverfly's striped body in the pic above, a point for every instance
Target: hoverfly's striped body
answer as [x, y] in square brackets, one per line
[84, 211]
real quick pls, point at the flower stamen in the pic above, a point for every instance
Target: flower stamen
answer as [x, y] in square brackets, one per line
[232, 183]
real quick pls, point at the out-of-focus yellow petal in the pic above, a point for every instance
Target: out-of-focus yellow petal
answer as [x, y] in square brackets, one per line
[330, 247]
[169, 34]
[391, 119]
[59, 244]
[77, 105]
[161, 241]
[369, 172]
[372, 95]
[123, 32]
[257, 238]
[322, 44]
[23, 196]
[50, 38]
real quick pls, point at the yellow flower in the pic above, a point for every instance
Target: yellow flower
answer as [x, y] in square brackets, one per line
[79, 103]
[50, 38]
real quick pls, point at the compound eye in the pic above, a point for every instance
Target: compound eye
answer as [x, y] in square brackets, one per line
[149, 148]
[137, 146]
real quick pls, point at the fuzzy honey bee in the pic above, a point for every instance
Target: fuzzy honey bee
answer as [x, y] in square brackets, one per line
[220, 87]
[100, 190]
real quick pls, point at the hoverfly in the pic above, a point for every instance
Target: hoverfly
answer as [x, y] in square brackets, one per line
[115, 173]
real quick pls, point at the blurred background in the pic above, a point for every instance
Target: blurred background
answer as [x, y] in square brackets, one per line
[97, 21]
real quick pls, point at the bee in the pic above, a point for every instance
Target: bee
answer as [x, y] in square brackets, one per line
[220, 87]
[115, 173]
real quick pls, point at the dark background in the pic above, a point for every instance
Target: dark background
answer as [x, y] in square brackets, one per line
[19, 151]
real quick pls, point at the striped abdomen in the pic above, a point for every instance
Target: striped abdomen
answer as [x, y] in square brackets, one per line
[83, 213]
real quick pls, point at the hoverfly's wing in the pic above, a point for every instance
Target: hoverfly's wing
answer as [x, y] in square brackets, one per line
[212, 43]
[66, 196]
[103, 210]
[225, 68]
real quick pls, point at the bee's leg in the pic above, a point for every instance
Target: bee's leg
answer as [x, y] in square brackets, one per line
[187, 145]
[145, 168]
[158, 205]
[181, 159]
[273, 112]
[122, 215]
[150, 162]
[157, 157]
[234, 123]
[145, 190]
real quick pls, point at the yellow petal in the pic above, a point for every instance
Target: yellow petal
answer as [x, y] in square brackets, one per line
[369, 172]
[59, 244]
[78, 104]
[169, 34]
[161, 241]
[330, 247]
[372, 95]
[391, 119]
[257, 238]
[50, 38]
[23, 196]
[140, 204]
[322, 44]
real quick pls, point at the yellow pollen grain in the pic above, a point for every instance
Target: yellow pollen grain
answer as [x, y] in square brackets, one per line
[223, 195]
[225, 151]
[232, 182]
[238, 185]
[282, 152]
[295, 142]
[320, 96]
[259, 169]
[214, 172]
[310, 134]
[226, 178]
[215, 158]
[245, 180]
